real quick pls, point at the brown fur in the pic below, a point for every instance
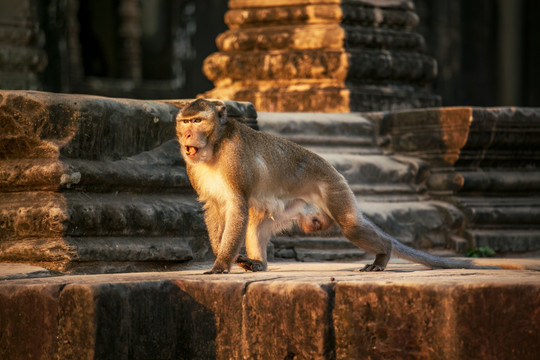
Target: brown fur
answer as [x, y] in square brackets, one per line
[254, 185]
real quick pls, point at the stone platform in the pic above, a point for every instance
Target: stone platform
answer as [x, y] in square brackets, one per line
[91, 184]
[293, 311]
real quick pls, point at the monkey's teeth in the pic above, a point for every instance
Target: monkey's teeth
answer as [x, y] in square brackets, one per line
[191, 150]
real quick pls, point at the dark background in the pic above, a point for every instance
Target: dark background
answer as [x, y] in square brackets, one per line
[487, 50]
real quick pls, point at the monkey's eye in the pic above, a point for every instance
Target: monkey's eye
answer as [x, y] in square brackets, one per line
[196, 120]
[185, 121]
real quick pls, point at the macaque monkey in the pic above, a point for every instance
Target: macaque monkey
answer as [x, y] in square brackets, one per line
[254, 185]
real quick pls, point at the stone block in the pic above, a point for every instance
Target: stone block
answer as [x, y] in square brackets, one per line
[390, 322]
[151, 320]
[301, 311]
[480, 317]
[28, 321]
[437, 135]
[414, 321]
[214, 318]
[484, 161]
[141, 320]
[514, 240]
[301, 330]
[502, 137]
[88, 181]
[77, 326]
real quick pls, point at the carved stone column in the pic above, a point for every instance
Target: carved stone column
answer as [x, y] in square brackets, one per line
[21, 58]
[322, 55]
[130, 33]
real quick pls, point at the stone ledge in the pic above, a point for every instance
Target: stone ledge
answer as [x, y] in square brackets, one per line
[305, 311]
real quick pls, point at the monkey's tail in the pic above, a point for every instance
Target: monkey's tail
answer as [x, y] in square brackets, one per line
[417, 256]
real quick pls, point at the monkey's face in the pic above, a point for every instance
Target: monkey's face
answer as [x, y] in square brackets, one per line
[194, 134]
[198, 128]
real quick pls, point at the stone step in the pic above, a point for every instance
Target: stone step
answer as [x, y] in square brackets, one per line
[343, 142]
[416, 223]
[316, 249]
[92, 176]
[493, 180]
[48, 214]
[378, 169]
[46, 125]
[295, 310]
[389, 192]
[497, 211]
[308, 254]
[101, 254]
[319, 128]
[348, 142]
[505, 240]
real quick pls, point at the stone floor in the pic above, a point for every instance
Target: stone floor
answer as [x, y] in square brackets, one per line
[319, 310]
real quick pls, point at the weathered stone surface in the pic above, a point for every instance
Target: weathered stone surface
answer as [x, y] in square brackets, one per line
[9, 271]
[302, 329]
[368, 322]
[438, 322]
[502, 137]
[122, 200]
[25, 310]
[390, 189]
[97, 184]
[303, 311]
[433, 134]
[485, 161]
[364, 66]
[399, 14]
[217, 306]
[328, 56]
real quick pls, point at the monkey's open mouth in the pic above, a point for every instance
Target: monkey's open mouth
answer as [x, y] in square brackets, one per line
[191, 150]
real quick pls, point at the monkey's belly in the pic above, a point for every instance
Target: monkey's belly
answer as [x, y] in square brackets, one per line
[271, 205]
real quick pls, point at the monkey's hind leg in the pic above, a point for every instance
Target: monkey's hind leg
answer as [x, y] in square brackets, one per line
[359, 230]
[249, 264]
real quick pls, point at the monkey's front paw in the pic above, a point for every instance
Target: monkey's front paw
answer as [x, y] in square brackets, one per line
[217, 269]
[372, 267]
[214, 271]
[248, 264]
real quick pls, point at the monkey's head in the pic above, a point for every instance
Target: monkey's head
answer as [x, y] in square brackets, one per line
[198, 127]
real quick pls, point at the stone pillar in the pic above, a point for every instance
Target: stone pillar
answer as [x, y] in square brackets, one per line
[322, 55]
[21, 58]
[130, 33]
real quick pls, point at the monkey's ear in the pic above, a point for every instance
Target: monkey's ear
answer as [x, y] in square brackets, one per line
[222, 114]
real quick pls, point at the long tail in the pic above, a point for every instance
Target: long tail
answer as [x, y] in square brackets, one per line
[417, 256]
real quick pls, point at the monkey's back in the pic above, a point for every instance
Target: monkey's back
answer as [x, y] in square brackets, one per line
[278, 161]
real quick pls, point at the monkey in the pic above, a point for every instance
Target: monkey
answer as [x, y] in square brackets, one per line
[254, 185]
